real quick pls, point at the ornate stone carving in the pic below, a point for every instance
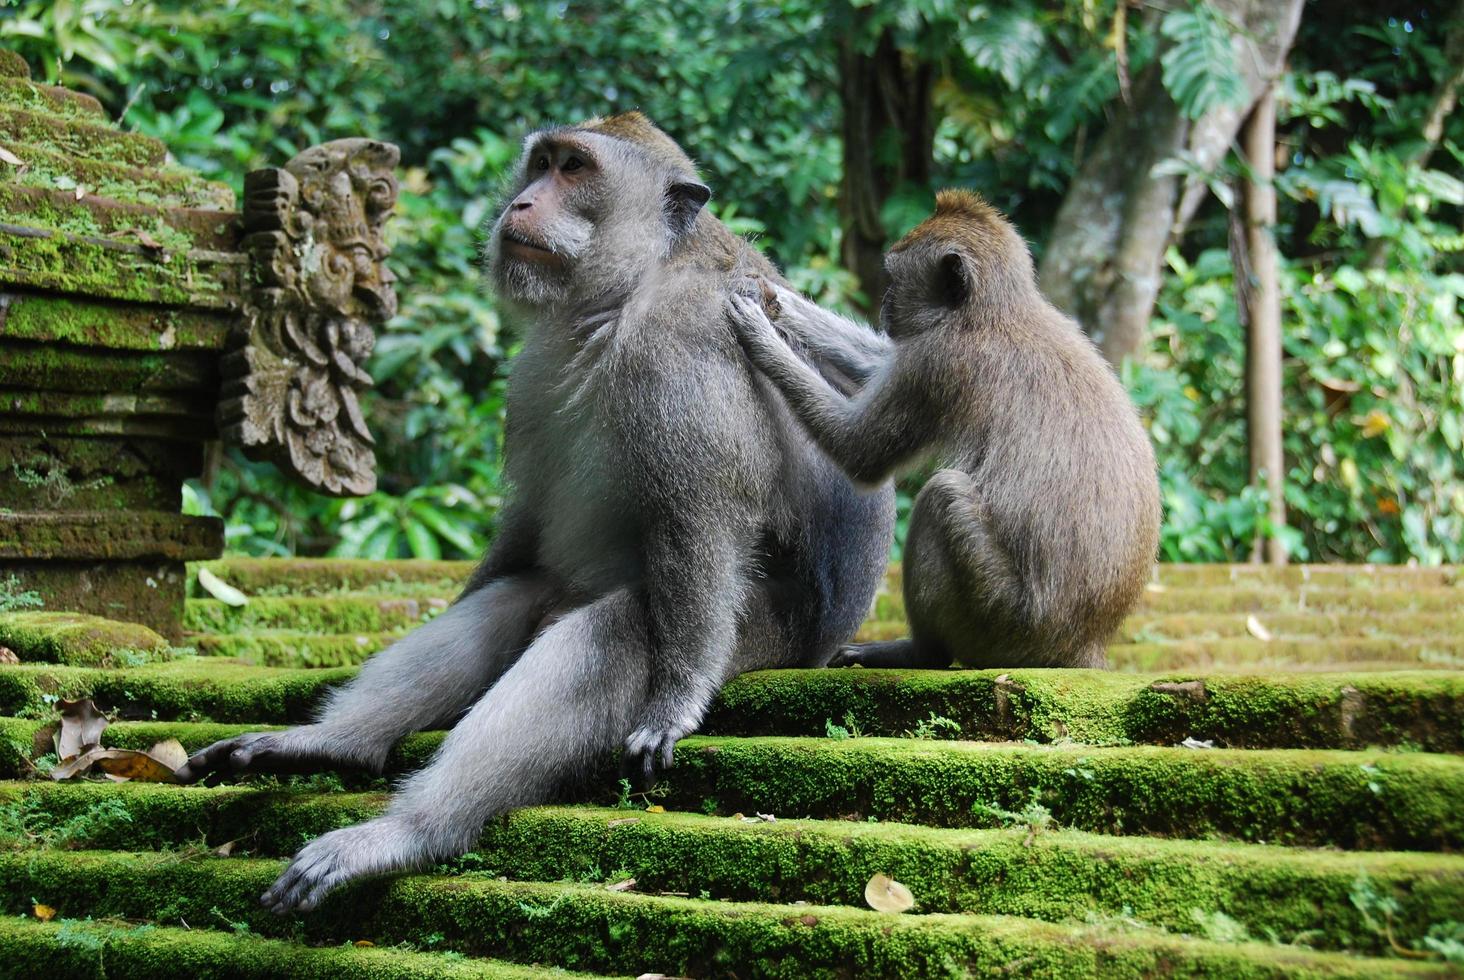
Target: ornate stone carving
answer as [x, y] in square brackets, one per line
[318, 288]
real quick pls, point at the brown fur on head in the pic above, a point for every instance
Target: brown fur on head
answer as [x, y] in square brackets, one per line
[965, 255]
[635, 127]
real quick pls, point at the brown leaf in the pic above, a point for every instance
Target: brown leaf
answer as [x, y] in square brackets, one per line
[170, 752]
[621, 886]
[43, 912]
[81, 727]
[885, 894]
[7, 656]
[119, 764]
[363, 943]
[225, 849]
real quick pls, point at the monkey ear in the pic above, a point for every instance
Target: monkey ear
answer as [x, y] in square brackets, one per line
[684, 201]
[953, 279]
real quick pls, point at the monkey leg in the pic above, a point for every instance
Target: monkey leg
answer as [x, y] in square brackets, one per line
[572, 697]
[426, 679]
[891, 653]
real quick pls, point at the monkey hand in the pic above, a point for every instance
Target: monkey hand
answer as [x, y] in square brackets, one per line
[753, 328]
[375, 847]
[300, 749]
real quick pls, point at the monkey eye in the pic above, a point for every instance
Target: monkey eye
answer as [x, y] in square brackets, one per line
[542, 163]
[572, 164]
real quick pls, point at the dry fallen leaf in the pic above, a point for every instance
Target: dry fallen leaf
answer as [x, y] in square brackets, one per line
[621, 886]
[170, 752]
[221, 590]
[363, 943]
[43, 912]
[122, 765]
[622, 822]
[1256, 628]
[885, 894]
[7, 656]
[81, 727]
[11, 158]
[656, 808]
[225, 849]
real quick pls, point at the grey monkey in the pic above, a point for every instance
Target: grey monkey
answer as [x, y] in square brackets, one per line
[1034, 540]
[670, 524]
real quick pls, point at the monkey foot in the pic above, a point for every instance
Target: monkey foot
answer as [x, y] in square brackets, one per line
[888, 653]
[376, 847]
[650, 751]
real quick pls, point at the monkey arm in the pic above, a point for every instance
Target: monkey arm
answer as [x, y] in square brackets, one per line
[853, 348]
[869, 436]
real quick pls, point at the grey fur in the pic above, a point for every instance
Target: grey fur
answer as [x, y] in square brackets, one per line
[1034, 540]
[670, 526]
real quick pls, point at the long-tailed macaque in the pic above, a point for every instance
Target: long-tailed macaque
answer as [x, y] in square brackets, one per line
[669, 526]
[1034, 539]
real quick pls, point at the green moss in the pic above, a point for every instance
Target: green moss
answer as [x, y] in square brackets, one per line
[585, 927]
[49, 99]
[49, 168]
[1351, 576]
[77, 639]
[287, 648]
[13, 65]
[350, 613]
[1323, 599]
[1312, 710]
[189, 688]
[132, 951]
[81, 138]
[1339, 652]
[89, 266]
[323, 576]
[89, 323]
[1362, 800]
[1290, 626]
[1054, 876]
[53, 368]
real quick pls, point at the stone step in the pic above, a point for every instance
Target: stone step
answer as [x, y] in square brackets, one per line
[47, 167]
[323, 576]
[87, 139]
[346, 613]
[1332, 653]
[50, 100]
[144, 951]
[1053, 875]
[1289, 626]
[1350, 576]
[291, 648]
[1374, 800]
[590, 927]
[1417, 709]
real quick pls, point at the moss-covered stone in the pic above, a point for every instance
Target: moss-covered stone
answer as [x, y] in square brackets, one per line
[324, 576]
[50, 169]
[1052, 875]
[141, 951]
[189, 689]
[289, 648]
[586, 927]
[1362, 577]
[77, 639]
[47, 472]
[1360, 800]
[144, 590]
[1339, 652]
[115, 326]
[31, 366]
[80, 138]
[13, 65]
[1309, 710]
[49, 99]
[168, 229]
[349, 613]
[1325, 599]
[1290, 626]
[79, 535]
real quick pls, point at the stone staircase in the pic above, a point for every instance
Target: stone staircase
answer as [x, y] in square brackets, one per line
[1270, 783]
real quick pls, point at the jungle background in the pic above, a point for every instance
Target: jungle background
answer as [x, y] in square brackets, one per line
[824, 129]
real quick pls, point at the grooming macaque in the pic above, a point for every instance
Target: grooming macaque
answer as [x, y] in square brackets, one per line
[1035, 538]
[670, 524]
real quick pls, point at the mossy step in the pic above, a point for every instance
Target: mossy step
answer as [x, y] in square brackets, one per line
[50, 100]
[168, 186]
[1287, 626]
[77, 639]
[88, 139]
[588, 927]
[349, 613]
[172, 229]
[1248, 653]
[290, 648]
[1417, 709]
[142, 951]
[323, 576]
[71, 320]
[189, 688]
[1052, 875]
[1306, 598]
[1421, 709]
[50, 369]
[1351, 576]
[1360, 800]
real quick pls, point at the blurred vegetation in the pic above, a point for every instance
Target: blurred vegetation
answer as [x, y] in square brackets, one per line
[1369, 228]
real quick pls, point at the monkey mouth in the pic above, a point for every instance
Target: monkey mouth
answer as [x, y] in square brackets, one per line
[521, 246]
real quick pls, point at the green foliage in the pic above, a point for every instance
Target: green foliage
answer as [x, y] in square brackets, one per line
[1369, 223]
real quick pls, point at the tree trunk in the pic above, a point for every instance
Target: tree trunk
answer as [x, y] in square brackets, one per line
[1258, 294]
[889, 139]
[1103, 261]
